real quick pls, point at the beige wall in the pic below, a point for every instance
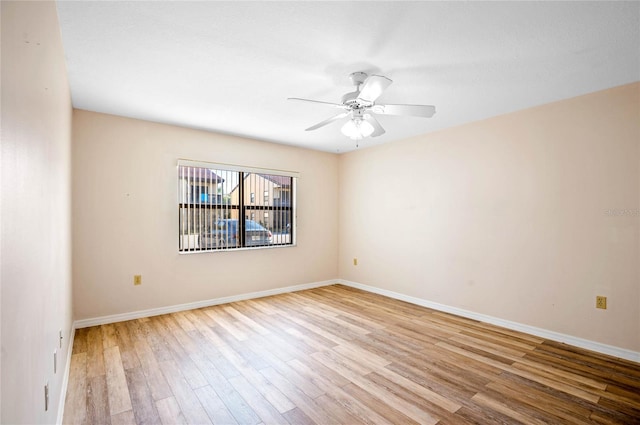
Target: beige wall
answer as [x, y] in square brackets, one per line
[35, 230]
[125, 217]
[508, 217]
[505, 217]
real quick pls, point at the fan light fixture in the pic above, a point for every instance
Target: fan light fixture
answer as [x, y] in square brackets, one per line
[357, 129]
[360, 107]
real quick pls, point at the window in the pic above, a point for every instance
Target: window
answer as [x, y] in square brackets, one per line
[215, 202]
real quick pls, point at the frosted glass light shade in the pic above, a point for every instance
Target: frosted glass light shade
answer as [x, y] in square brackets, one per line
[357, 129]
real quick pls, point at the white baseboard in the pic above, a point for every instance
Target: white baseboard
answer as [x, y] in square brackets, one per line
[65, 377]
[95, 321]
[532, 330]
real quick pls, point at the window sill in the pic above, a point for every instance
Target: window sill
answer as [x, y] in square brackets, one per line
[248, 248]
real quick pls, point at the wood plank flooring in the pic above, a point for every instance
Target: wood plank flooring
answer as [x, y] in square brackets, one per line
[337, 355]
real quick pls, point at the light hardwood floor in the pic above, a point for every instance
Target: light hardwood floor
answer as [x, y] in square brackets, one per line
[338, 355]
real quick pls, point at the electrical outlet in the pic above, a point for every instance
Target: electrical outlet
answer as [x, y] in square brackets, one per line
[601, 302]
[55, 361]
[137, 279]
[355, 261]
[60, 337]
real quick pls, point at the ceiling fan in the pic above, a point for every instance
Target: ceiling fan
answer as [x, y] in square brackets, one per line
[360, 105]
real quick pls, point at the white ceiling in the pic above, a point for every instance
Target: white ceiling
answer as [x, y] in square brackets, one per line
[229, 67]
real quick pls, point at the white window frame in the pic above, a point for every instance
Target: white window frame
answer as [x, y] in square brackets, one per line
[193, 237]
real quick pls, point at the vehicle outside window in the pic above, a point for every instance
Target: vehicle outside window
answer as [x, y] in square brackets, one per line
[225, 235]
[220, 207]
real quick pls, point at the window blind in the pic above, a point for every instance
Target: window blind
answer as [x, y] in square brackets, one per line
[226, 207]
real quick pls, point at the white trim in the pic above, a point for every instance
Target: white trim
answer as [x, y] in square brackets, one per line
[233, 167]
[103, 320]
[532, 330]
[65, 377]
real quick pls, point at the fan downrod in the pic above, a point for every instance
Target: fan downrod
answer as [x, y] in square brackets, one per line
[349, 99]
[357, 78]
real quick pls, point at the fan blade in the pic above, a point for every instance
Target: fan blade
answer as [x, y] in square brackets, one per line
[372, 88]
[327, 121]
[425, 111]
[336, 105]
[377, 128]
